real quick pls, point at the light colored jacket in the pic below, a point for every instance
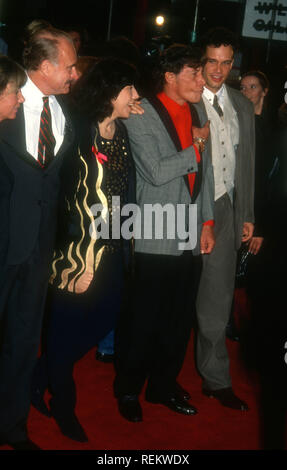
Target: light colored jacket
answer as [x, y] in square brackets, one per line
[161, 170]
[245, 160]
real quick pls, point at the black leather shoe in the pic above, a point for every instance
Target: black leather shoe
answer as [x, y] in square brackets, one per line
[227, 398]
[181, 392]
[232, 333]
[24, 445]
[174, 403]
[69, 425]
[37, 400]
[102, 357]
[130, 408]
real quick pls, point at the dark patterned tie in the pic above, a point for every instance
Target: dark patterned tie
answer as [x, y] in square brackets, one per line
[217, 107]
[47, 140]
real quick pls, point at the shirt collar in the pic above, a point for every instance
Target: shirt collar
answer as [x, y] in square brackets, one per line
[172, 106]
[209, 95]
[33, 94]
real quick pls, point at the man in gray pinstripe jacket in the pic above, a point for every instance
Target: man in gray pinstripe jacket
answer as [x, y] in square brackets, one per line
[172, 169]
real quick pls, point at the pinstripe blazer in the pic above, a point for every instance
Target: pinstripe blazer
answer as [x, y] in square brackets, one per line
[245, 160]
[161, 169]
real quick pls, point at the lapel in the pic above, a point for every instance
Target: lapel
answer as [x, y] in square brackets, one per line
[69, 132]
[166, 120]
[198, 178]
[12, 133]
[170, 127]
[237, 105]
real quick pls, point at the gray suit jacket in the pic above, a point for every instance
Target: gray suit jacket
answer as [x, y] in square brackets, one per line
[161, 169]
[245, 161]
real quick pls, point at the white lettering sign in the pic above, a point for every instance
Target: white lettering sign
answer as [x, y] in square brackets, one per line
[262, 18]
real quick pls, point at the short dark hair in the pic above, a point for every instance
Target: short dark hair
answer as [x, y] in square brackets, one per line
[94, 91]
[10, 71]
[217, 37]
[43, 45]
[174, 59]
[263, 80]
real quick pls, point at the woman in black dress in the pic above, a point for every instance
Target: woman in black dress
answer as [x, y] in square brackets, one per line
[255, 86]
[91, 256]
[266, 336]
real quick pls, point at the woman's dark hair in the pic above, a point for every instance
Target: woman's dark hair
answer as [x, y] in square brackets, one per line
[173, 59]
[10, 71]
[94, 91]
[263, 80]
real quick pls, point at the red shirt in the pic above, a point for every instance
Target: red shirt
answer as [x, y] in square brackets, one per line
[181, 118]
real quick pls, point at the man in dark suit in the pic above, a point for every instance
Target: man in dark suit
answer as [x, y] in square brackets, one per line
[32, 148]
[231, 145]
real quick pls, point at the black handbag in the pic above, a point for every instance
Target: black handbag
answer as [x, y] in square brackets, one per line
[243, 258]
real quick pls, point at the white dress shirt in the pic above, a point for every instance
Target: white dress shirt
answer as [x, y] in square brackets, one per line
[209, 95]
[224, 134]
[33, 106]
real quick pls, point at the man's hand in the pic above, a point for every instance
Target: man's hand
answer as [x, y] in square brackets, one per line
[200, 136]
[207, 239]
[201, 132]
[255, 244]
[247, 231]
[136, 108]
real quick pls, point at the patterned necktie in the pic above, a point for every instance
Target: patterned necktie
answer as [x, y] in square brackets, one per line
[217, 107]
[47, 140]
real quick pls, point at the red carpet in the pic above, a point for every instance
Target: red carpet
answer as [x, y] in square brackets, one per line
[213, 428]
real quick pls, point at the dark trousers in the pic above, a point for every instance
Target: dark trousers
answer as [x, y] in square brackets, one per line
[75, 324]
[264, 341]
[154, 329]
[22, 297]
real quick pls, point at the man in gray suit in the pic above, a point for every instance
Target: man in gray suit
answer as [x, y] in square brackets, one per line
[232, 142]
[172, 169]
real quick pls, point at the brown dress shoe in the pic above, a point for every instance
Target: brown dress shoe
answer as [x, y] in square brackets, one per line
[227, 398]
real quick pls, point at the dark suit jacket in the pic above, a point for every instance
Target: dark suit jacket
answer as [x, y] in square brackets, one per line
[29, 194]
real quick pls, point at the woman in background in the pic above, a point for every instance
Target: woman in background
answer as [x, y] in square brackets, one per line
[255, 86]
[265, 341]
[12, 78]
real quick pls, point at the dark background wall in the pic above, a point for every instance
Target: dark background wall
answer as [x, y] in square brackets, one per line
[135, 19]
